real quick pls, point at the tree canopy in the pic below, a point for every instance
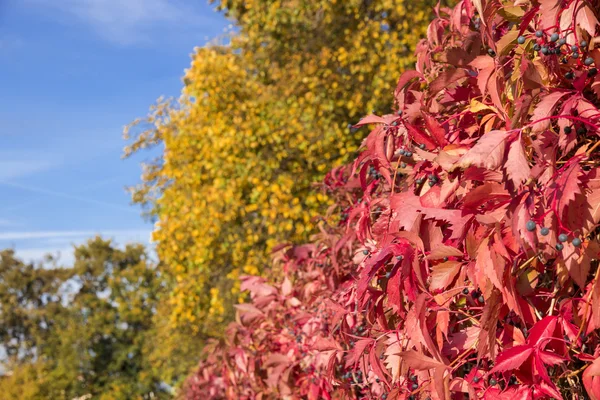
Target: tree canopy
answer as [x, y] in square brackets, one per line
[80, 330]
[259, 121]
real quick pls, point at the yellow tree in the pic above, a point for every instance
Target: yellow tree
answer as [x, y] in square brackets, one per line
[259, 120]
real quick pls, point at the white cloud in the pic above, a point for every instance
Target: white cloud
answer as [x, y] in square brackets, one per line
[127, 22]
[11, 169]
[60, 243]
[117, 234]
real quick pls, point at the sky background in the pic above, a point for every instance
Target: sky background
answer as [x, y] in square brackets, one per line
[73, 73]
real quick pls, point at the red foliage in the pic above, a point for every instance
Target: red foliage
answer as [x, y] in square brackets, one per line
[465, 263]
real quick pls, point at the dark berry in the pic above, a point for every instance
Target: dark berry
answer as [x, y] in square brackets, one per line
[431, 183]
[575, 55]
[559, 246]
[589, 61]
[557, 51]
[537, 47]
[554, 37]
[521, 39]
[384, 396]
[530, 226]
[402, 165]
[576, 242]
[401, 152]
[465, 291]
[365, 252]
[419, 181]
[582, 130]
[422, 146]
[592, 72]
[567, 129]
[544, 231]
[539, 34]
[563, 237]
[569, 75]
[562, 41]
[476, 379]
[481, 299]
[574, 48]
[564, 60]
[408, 154]
[545, 50]
[445, 259]
[493, 382]
[491, 52]
[399, 112]
[411, 397]
[413, 378]
[399, 258]
[414, 386]
[583, 43]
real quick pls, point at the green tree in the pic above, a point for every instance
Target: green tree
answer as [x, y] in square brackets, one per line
[83, 330]
[259, 121]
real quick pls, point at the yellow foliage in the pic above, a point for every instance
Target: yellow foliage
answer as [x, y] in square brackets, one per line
[258, 122]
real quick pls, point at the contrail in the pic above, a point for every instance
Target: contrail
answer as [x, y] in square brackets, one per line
[67, 196]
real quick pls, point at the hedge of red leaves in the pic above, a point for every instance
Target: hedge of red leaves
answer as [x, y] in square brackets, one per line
[465, 263]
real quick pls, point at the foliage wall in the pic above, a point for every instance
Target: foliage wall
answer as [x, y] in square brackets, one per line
[465, 260]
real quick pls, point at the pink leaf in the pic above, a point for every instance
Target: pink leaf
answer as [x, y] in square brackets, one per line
[442, 251]
[517, 166]
[591, 380]
[544, 109]
[443, 274]
[567, 185]
[487, 153]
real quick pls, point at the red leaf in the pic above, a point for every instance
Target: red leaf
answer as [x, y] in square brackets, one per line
[359, 348]
[545, 108]
[490, 191]
[567, 185]
[419, 136]
[550, 358]
[405, 78]
[370, 119]
[446, 79]
[419, 361]
[375, 363]
[437, 131]
[512, 358]
[543, 329]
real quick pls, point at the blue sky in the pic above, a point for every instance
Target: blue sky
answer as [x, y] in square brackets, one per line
[72, 74]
